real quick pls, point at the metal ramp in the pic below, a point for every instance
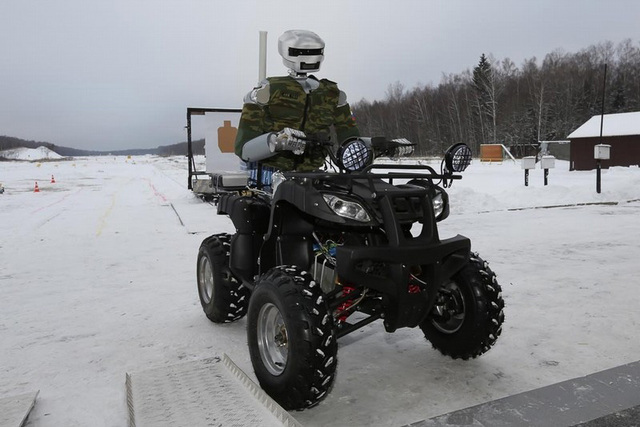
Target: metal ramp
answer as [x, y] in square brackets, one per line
[209, 392]
[14, 410]
[606, 398]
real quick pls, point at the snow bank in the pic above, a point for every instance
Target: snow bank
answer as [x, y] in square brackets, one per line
[487, 187]
[30, 154]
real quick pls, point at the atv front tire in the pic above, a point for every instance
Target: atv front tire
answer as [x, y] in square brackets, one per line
[291, 339]
[223, 297]
[467, 318]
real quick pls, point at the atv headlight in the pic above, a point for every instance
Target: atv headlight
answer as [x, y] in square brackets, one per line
[438, 205]
[346, 208]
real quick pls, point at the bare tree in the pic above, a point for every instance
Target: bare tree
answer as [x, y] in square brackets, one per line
[496, 101]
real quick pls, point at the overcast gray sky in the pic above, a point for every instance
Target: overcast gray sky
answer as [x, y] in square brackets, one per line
[117, 74]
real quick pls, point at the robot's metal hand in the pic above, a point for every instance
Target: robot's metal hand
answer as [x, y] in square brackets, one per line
[288, 140]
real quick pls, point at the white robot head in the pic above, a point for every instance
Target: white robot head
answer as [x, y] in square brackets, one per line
[302, 51]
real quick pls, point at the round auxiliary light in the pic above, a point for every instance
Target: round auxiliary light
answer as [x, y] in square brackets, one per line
[355, 155]
[458, 157]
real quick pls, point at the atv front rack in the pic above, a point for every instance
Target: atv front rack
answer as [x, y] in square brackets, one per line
[431, 173]
[366, 174]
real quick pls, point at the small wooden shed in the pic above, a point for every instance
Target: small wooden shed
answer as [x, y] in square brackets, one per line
[620, 131]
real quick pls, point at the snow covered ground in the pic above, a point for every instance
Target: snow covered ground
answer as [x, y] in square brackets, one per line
[97, 278]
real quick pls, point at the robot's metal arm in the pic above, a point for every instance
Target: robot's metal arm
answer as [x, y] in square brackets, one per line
[266, 145]
[258, 148]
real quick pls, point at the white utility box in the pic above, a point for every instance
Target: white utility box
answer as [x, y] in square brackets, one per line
[529, 162]
[601, 151]
[547, 162]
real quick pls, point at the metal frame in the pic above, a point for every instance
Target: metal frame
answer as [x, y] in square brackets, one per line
[194, 111]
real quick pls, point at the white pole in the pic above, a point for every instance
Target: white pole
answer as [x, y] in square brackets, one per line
[262, 70]
[506, 150]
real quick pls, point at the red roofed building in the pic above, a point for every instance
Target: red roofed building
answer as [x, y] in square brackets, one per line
[620, 131]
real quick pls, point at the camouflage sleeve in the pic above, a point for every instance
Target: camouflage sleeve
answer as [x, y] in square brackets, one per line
[345, 123]
[252, 124]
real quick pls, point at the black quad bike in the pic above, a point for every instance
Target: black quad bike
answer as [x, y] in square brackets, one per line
[326, 253]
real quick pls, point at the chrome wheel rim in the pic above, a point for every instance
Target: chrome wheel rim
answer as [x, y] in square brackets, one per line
[273, 340]
[449, 309]
[205, 280]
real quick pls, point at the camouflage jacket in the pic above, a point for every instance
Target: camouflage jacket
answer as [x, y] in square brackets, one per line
[290, 106]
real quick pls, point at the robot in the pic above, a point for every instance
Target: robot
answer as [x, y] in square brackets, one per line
[282, 112]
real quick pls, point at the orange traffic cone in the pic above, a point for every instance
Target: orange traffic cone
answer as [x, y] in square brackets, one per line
[53, 181]
[36, 189]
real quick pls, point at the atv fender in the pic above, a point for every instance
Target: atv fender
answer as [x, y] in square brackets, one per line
[250, 216]
[289, 239]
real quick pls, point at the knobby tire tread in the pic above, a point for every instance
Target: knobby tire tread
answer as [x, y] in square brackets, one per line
[309, 375]
[231, 297]
[488, 314]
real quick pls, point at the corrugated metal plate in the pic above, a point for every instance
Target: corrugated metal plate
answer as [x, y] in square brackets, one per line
[210, 392]
[14, 410]
[573, 402]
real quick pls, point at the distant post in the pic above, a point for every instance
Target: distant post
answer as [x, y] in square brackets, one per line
[528, 163]
[600, 152]
[546, 163]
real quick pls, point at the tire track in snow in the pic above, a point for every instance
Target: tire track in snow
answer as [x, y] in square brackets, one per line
[568, 205]
[61, 199]
[155, 191]
[102, 221]
[50, 216]
[164, 199]
[165, 175]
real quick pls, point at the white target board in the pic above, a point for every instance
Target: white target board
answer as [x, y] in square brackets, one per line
[220, 134]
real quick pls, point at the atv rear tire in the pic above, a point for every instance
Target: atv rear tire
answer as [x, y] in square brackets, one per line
[223, 297]
[467, 318]
[291, 339]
